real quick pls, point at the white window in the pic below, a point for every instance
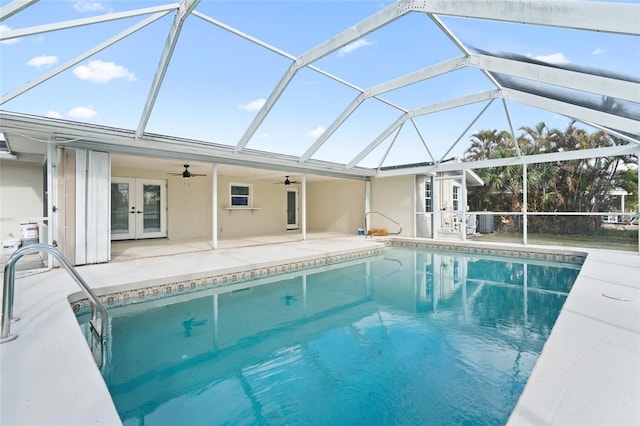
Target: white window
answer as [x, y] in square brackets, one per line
[240, 195]
[428, 199]
[456, 198]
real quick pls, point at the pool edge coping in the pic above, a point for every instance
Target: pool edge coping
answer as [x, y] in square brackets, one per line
[132, 292]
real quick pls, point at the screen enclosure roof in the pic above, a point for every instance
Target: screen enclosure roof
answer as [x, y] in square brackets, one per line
[339, 88]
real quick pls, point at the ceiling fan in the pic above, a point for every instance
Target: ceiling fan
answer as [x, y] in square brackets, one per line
[286, 181]
[186, 173]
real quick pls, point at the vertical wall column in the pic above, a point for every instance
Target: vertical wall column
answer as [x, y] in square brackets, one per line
[435, 203]
[415, 205]
[367, 204]
[463, 223]
[52, 156]
[214, 206]
[524, 204]
[304, 207]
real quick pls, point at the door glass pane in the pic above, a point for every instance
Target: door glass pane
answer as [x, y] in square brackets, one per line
[151, 208]
[119, 208]
[291, 208]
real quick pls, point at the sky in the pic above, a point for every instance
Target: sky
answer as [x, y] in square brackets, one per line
[217, 82]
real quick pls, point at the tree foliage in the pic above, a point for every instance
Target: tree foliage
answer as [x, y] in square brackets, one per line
[581, 185]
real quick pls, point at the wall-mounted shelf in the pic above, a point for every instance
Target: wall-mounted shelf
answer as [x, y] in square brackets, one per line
[232, 208]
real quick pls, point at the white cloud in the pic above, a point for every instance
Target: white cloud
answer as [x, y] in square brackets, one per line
[252, 106]
[554, 58]
[10, 41]
[82, 112]
[88, 6]
[315, 133]
[597, 51]
[42, 61]
[53, 114]
[102, 72]
[353, 46]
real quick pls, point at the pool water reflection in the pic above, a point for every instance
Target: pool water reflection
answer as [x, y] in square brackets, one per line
[408, 337]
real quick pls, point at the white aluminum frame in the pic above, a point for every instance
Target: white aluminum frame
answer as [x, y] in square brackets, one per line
[616, 18]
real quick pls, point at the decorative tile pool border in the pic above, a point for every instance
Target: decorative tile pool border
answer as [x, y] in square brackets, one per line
[111, 300]
[186, 286]
[537, 254]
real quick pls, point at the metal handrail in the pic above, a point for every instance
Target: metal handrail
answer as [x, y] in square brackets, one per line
[8, 283]
[366, 228]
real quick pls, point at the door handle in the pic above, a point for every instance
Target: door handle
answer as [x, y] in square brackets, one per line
[138, 211]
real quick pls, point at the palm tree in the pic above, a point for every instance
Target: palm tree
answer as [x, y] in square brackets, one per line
[575, 185]
[484, 143]
[543, 138]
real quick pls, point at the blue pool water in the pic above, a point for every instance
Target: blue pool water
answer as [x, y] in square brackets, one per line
[408, 337]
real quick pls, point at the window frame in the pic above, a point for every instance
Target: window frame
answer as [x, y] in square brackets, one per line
[455, 197]
[248, 197]
[428, 196]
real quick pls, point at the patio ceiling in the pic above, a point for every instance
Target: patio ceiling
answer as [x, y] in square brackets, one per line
[509, 79]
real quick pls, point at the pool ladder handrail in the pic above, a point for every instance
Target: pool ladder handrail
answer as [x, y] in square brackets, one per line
[99, 323]
[366, 228]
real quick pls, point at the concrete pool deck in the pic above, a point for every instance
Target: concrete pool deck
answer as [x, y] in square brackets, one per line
[588, 372]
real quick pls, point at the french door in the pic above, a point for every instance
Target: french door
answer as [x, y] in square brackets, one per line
[292, 208]
[138, 208]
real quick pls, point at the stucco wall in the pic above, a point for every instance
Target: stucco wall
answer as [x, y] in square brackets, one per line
[188, 202]
[189, 207]
[394, 197]
[335, 206]
[270, 216]
[332, 206]
[20, 195]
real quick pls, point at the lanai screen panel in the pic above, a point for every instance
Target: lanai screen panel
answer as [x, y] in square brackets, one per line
[275, 76]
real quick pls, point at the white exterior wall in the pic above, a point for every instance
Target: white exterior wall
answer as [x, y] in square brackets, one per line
[393, 197]
[20, 195]
[269, 216]
[188, 202]
[189, 206]
[335, 206]
[332, 206]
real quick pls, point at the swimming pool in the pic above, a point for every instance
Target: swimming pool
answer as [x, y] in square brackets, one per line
[406, 337]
